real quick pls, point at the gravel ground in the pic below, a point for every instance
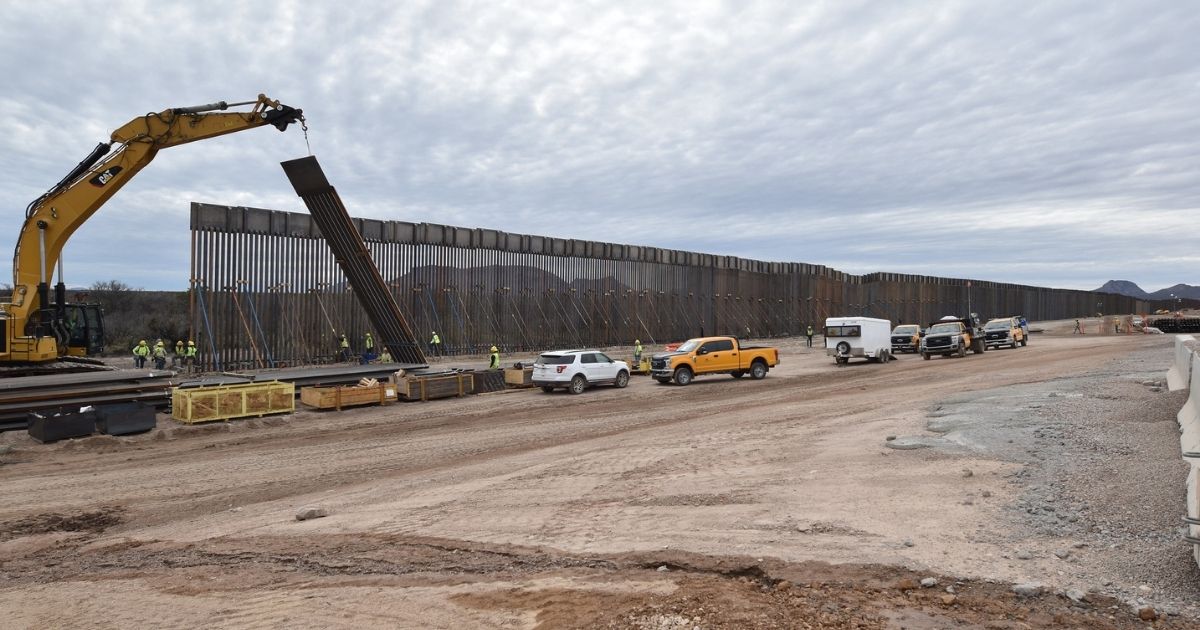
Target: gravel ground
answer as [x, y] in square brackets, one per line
[1078, 495]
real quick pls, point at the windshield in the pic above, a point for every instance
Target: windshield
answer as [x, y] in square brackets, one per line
[688, 345]
[944, 328]
[998, 325]
[906, 330]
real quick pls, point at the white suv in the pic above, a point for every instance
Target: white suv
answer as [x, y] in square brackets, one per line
[576, 370]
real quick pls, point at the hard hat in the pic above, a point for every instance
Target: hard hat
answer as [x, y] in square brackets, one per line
[142, 342]
[368, 334]
[159, 343]
[495, 349]
[637, 341]
[191, 343]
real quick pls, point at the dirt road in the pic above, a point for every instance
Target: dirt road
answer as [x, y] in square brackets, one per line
[773, 503]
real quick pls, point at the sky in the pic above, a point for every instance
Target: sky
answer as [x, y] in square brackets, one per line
[1044, 143]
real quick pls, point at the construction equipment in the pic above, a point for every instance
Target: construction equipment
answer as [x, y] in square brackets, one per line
[35, 330]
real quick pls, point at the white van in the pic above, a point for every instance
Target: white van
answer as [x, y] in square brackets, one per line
[865, 337]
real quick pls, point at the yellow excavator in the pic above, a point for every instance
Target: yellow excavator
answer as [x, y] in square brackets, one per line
[36, 331]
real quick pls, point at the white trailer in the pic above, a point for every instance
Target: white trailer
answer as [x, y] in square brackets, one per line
[866, 337]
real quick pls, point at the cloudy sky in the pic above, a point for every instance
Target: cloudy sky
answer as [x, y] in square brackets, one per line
[1048, 143]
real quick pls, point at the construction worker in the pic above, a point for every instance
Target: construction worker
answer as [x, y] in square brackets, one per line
[140, 352]
[189, 357]
[1078, 330]
[435, 344]
[385, 356]
[368, 349]
[344, 348]
[637, 353]
[494, 359]
[809, 333]
[177, 358]
[160, 355]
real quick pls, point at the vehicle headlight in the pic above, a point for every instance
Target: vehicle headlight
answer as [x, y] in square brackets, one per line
[956, 339]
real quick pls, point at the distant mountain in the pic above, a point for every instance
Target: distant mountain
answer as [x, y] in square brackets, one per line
[1125, 287]
[1185, 291]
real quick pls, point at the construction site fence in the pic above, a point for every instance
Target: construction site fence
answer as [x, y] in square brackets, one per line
[266, 291]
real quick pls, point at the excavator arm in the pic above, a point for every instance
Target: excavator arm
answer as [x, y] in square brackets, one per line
[32, 323]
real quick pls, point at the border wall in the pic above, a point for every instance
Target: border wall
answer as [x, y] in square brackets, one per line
[265, 291]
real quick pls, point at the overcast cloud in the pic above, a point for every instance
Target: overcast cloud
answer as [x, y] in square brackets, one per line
[1046, 143]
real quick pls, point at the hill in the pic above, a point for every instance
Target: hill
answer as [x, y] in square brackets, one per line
[1125, 287]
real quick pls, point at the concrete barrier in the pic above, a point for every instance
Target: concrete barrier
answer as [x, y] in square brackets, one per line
[1179, 375]
[1193, 508]
[1189, 416]
[1186, 373]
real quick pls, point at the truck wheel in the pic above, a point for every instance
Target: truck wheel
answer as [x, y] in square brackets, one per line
[925, 355]
[758, 370]
[547, 388]
[885, 357]
[1024, 341]
[622, 379]
[662, 380]
[962, 351]
[737, 374]
[1015, 343]
[578, 384]
[683, 376]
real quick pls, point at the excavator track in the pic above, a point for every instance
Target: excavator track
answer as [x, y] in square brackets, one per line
[65, 365]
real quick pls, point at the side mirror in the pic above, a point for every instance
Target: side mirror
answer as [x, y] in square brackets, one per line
[702, 351]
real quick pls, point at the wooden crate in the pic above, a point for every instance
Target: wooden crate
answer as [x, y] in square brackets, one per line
[518, 377]
[226, 402]
[414, 387]
[338, 397]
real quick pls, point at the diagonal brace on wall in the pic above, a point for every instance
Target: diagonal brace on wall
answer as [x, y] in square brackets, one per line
[354, 258]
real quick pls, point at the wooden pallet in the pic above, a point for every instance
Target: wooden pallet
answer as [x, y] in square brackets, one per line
[348, 396]
[416, 387]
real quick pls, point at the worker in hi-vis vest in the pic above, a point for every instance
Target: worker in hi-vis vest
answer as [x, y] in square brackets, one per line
[435, 344]
[494, 359]
[140, 352]
[637, 353]
[368, 349]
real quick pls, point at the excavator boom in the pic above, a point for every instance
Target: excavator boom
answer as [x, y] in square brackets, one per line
[36, 328]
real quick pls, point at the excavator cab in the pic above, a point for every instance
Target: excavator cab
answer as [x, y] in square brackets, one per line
[77, 328]
[85, 329]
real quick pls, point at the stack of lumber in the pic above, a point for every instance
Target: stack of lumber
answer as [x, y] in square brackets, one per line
[368, 391]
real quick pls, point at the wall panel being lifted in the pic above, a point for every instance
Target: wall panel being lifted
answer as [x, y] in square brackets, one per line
[353, 257]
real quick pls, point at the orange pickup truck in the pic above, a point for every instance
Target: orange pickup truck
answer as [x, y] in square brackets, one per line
[712, 355]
